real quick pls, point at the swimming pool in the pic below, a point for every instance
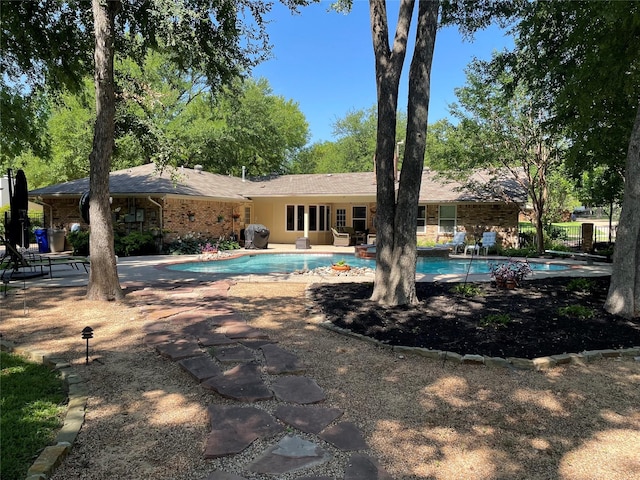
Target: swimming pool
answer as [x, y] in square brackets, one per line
[262, 264]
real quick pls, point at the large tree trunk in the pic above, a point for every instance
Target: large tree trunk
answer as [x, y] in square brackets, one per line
[624, 290]
[103, 277]
[396, 220]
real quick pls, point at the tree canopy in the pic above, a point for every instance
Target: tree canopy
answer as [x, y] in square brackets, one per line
[581, 60]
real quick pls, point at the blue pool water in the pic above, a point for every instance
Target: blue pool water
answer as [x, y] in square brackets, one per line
[288, 263]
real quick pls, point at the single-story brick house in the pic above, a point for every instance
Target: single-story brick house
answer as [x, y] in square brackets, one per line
[192, 200]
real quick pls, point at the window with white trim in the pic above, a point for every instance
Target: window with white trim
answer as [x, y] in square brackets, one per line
[359, 218]
[319, 217]
[422, 219]
[341, 217]
[447, 219]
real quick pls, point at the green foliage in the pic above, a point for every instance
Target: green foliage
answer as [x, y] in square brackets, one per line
[424, 242]
[496, 320]
[125, 245]
[524, 252]
[32, 397]
[466, 289]
[354, 147]
[79, 241]
[576, 311]
[581, 285]
[3, 209]
[592, 96]
[195, 244]
[134, 243]
[227, 244]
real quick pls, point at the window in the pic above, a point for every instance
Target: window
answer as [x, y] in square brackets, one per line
[291, 226]
[313, 218]
[300, 218]
[319, 217]
[447, 219]
[359, 219]
[341, 217]
[247, 215]
[422, 219]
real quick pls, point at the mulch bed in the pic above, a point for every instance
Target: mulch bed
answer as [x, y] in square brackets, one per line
[526, 322]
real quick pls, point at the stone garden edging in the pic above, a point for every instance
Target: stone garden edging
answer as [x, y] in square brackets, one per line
[539, 363]
[77, 394]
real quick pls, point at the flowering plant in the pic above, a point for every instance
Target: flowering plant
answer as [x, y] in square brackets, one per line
[511, 271]
[209, 248]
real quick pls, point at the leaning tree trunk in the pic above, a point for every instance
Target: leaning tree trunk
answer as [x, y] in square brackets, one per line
[103, 277]
[624, 290]
[396, 220]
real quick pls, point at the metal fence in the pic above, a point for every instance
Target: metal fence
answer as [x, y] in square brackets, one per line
[36, 220]
[568, 235]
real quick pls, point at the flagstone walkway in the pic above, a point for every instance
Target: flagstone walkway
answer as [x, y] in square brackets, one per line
[194, 326]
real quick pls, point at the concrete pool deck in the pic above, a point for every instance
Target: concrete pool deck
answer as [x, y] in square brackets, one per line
[152, 269]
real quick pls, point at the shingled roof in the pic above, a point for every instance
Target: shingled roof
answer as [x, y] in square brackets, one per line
[146, 180]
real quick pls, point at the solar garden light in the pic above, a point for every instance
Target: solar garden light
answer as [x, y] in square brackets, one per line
[87, 333]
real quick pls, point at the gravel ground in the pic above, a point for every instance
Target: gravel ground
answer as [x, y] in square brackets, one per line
[146, 418]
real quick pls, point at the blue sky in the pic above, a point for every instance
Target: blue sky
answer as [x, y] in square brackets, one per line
[324, 61]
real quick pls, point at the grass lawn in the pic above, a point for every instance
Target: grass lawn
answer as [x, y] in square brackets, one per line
[31, 405]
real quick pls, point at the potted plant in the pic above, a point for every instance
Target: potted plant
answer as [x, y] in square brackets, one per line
[510, 274]
[341, 265]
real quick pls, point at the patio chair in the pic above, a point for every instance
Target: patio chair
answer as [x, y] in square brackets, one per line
[340, 239]
[16, 265]
[458, 242]
[488, 241]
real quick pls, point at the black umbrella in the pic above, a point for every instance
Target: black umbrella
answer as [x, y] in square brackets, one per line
[19, 202]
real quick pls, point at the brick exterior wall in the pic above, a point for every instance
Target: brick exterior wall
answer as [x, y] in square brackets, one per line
[143, 215]
[211, 219]
[476, 218]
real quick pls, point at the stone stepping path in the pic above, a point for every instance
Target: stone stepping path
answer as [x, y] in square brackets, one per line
[301, 390]
[289, 454]
[279, 361]
[235, 428]
[242, 383]
[194, 327]
[309, 419]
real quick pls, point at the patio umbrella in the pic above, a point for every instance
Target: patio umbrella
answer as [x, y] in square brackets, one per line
[19, 204]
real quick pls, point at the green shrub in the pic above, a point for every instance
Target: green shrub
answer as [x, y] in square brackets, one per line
[135, 243]
[496, 320]
[580, 285]
[195, 244]
[576, 311]
[524, 252]
[79, 241]
[228, 245]
[423, 242]
[466, 289]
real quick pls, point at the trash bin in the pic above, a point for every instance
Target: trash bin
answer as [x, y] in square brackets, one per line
[42, 240]
[56, 240]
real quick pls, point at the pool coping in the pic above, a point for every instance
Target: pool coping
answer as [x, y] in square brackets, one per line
[575, 268]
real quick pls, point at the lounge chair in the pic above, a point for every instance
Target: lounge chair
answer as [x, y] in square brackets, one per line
[488, 241]
[457, 243]
[340, 239]
[17, 265]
